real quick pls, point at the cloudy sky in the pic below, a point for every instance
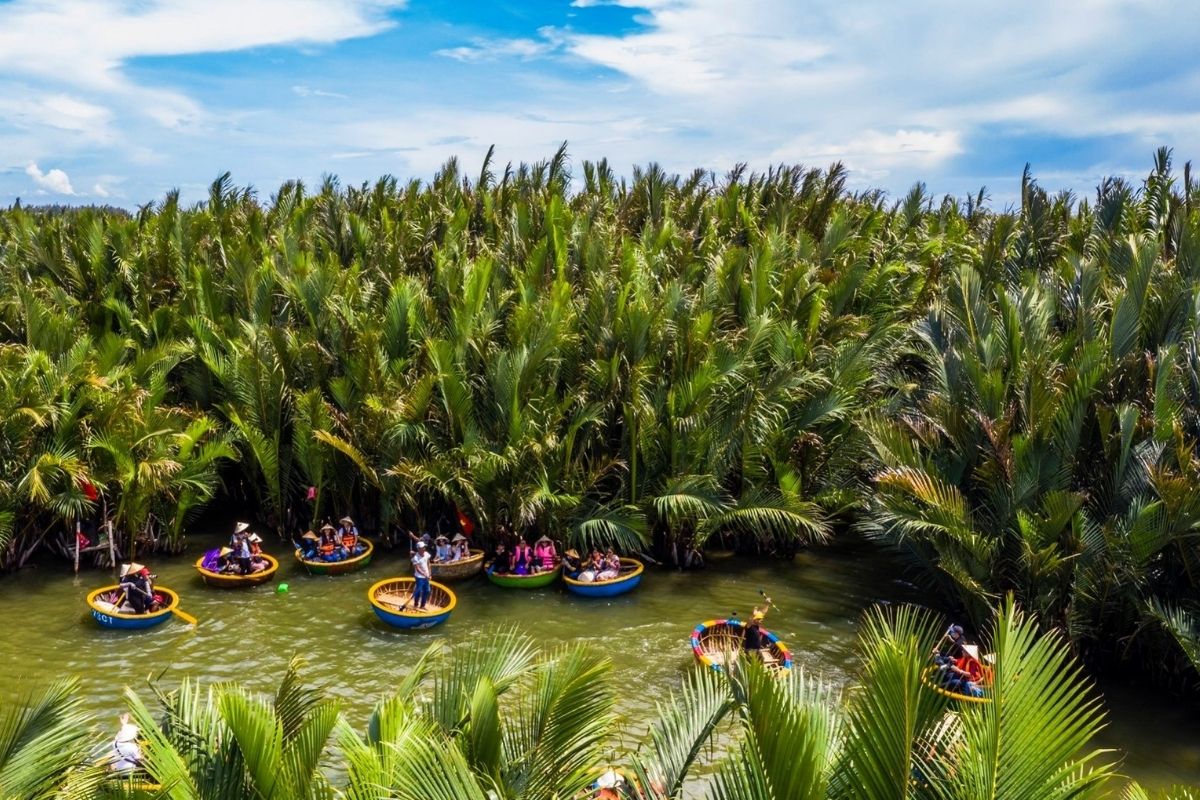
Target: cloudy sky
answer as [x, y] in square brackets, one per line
[120, 100]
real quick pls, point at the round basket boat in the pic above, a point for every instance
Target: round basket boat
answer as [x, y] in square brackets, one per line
[101, 602]
[225, 580]
[536, 580]
[928, 677]
[719, 641]
[631, 576]
[340, 567]
[457, 570]
[391, 600]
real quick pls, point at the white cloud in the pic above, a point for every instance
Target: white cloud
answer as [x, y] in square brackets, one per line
[85, 44]
[308, 91]
[100, 191]
[55, 180]
[485, 49]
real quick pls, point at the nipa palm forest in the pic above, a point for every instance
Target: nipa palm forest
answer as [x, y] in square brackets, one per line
[1006, 398]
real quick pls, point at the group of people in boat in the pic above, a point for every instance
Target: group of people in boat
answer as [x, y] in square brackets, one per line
[596, 567]
[242, 556]
[136, 593]
[332, 544]
[960, 668]
[523, 559]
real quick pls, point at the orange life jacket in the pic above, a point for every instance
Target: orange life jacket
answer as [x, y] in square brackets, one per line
[349, 541]
[327, 548]
[971, 667]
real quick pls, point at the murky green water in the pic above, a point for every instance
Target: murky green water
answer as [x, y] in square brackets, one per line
[249, 635]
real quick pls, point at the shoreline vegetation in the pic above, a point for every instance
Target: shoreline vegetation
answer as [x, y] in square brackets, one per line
[504, 718]
[1007, 398]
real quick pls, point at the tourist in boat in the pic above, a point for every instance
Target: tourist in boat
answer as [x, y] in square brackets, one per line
[138, 585]
[964, 674]
[309, 546]
[544, 554]
[347, 536]
[126, 754]
[460, 548]
[225, 563]
[592, 567]
[500, 559]
[258, 561]
[522, 558]
[421, 572]
[441, 553]
[328, 548]
[571, 564]
[610, 566]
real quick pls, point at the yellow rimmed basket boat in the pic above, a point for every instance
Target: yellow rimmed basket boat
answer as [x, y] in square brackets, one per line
[630, 577]
[226, 581]
[929, 678]
[102, 600]
[457, 570]
[339, 567]
[391, 600]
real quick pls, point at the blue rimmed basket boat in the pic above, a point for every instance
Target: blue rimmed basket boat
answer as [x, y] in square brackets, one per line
[101, 603]
[391, 600]
[629, 578]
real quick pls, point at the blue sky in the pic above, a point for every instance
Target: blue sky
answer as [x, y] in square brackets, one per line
[121, 100]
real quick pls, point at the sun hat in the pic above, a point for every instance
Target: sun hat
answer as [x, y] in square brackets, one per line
[254, 537]
[226, 551]
[544, 539]
[241, 526]
[441, 538]
[309, 535]
[420, 545]
[346, 521]
[458, 537]
[573, 553]
[972, 650]
[328, 527]
[127, 733]
[134, 567]
[125, 569]
[757, 616]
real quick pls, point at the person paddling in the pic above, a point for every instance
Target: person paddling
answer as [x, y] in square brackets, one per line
[137, 584]
[420, 562]
[754, 639]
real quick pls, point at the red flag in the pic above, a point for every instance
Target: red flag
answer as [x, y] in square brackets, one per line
[465, 523]
[82, 541]
[89, 490]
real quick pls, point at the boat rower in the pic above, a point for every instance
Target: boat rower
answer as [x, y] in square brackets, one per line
[754, 640]
[137, 584]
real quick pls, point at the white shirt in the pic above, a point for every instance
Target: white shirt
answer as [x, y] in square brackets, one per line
[420, 562]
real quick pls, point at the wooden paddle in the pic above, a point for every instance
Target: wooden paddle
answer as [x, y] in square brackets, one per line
[763, 592]
[186, 617]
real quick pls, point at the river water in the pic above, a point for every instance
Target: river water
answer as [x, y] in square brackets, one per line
[249, 635]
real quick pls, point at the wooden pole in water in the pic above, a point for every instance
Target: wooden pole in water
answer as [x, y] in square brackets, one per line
[76, 547]
[112, 555]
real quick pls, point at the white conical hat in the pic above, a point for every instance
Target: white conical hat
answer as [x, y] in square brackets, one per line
[128, 732]
[241, 526]
[972, 650]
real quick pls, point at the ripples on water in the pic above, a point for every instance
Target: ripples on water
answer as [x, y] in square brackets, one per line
[249, 635]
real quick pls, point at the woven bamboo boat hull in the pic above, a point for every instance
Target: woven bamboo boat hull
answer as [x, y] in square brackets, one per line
[109, 618]
[391, 601]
